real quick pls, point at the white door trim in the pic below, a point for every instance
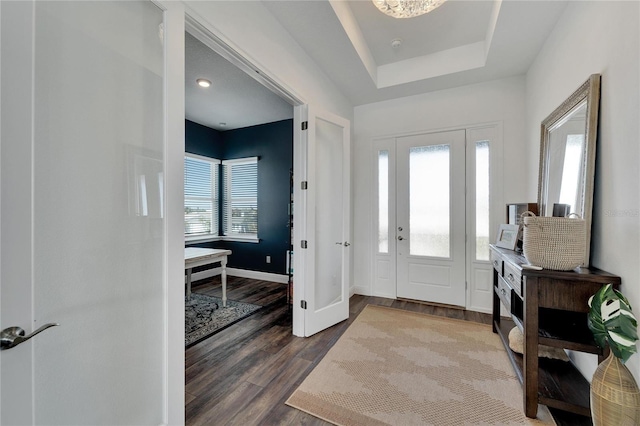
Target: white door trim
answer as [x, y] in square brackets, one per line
[174, 208]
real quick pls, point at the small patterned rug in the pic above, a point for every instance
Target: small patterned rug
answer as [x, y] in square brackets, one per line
[393, 367]
[204, 316]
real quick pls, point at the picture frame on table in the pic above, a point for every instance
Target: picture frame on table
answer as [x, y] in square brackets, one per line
[508, 236]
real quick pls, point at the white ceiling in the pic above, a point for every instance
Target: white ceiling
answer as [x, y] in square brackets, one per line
[454, 24]
[234, 98]
[462, 42]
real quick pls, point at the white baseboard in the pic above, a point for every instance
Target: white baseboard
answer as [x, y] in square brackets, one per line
[364, 291]
[242, 273]
[257, 275]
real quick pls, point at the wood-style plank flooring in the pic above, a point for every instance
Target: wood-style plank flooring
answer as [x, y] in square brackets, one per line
[244, 373]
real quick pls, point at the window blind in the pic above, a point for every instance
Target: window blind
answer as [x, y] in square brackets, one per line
[240, 200]
[200, 195]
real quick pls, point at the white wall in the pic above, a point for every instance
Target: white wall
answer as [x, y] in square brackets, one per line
[599, 37]
[494, 101]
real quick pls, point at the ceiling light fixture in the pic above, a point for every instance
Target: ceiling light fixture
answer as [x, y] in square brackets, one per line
[203, 82]
[406, 8]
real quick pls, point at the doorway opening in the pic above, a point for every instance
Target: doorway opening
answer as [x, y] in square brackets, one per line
[239, 130]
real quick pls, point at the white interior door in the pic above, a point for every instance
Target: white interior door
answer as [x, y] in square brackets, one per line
[326, 257]
[430, 222]
[84, 219]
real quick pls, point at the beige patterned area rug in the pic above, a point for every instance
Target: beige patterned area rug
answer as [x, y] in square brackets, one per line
[393, 367]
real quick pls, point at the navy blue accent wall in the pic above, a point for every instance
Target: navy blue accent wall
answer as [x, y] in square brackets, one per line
[273, 144]
[202, 140]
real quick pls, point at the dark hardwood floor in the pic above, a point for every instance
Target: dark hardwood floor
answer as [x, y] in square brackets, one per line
[243, 374]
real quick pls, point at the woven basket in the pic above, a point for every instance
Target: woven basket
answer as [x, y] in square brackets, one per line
[554, 242]
[615, 397]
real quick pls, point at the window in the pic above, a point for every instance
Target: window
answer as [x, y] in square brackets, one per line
[201, 203]
[482, 200]
[383, 201]
[240, 198]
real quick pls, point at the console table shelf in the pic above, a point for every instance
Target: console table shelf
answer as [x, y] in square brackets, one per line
[560, 384]
[550, 307]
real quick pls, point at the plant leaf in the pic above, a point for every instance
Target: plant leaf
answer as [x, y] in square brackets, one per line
[612, 322]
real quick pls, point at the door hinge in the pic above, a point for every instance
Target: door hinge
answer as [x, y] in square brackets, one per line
[305, 125]
[303, 304]
[304, 185]
[303, 244]
[466, 285]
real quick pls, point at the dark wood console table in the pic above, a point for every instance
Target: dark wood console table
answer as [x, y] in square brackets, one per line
[550, 307]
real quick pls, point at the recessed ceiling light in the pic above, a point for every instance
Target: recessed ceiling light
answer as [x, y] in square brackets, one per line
[203, 82]
[222, 124]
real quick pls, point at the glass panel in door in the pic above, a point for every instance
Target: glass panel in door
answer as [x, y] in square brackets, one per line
[383, 201]
[329, 214]
[482, 200]
[429, 205]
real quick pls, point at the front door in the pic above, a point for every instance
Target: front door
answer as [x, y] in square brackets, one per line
[430, 225]
[423, 208]
[84, 214]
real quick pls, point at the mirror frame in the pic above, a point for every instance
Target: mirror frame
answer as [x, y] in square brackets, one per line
[589, 91]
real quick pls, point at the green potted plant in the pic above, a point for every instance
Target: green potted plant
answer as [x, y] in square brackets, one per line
[615, 397]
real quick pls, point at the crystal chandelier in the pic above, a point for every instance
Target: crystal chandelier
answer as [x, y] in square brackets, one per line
[406, 8]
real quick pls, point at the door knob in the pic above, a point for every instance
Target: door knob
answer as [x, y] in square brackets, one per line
[13, 336]
[400, 238]
[346, 244]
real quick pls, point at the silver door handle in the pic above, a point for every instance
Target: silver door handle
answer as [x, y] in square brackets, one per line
[346, 244]
[339, 243]
[13, 336]
[400, 238]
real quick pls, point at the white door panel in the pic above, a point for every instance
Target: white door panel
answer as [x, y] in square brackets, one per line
[83, 144]
[328, 219]
[430, 228]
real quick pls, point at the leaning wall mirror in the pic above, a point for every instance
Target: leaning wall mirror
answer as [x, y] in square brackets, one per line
[567, 156]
